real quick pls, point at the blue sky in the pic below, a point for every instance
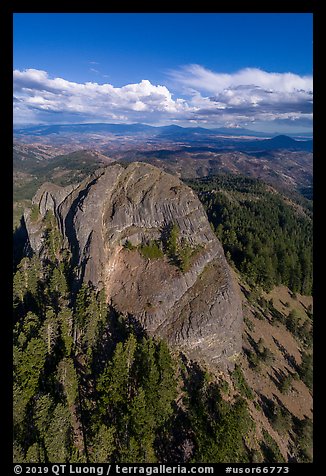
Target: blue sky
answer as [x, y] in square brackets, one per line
[251, 70]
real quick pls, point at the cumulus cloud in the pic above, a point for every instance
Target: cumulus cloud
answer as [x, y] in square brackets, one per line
[208, 97]
[36, 91]
[202, 79]
[249, 94]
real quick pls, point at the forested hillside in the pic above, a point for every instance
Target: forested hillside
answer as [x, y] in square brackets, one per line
[266, 235]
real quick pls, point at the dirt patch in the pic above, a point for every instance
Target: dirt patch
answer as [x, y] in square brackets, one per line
[284, 301]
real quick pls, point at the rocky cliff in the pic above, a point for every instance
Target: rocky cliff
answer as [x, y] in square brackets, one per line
[197, 308]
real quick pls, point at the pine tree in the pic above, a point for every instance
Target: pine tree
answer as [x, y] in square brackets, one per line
[115, 384]
[29, 365]
[67, 376]
[65, 318]
[35, 454]
[20, 401]
[80, 315]
[19, 288]
[167, 386]
[18, 453]
[58, 286]
[58, 436]
[141, 428]
[102, 445]
[149, 374]
[50, 330]
[52, 237]
[43, 410]
[95, 318]
[28, 328]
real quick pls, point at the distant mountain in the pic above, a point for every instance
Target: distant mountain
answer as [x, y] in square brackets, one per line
[240, 131]
[197, 135]
[170, 130]
[278, 142]
[285, 142]
[43, 130]
[195, 132]
[223, 138]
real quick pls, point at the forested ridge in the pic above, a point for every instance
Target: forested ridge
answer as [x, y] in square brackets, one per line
[265, 235]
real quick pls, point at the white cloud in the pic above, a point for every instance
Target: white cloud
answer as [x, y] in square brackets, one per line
[209, 98]
[246, 95]
[34, 89]
[202, 79]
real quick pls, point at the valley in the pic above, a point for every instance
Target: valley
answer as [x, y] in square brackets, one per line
[65, 154]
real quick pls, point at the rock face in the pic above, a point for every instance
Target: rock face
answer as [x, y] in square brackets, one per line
[198, 310]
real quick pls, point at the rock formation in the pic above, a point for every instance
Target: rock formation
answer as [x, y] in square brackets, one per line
[197, 309]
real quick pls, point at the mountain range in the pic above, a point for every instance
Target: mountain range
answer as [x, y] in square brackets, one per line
[169, 131]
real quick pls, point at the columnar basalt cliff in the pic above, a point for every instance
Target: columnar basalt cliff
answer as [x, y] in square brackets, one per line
[198, 308]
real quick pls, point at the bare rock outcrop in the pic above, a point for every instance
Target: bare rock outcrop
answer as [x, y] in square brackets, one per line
[197, 309]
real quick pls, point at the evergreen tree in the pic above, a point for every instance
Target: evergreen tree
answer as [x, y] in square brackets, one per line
[58, 436]
[67, 376]
[26, 329]
[116, 383]
[18, 453]
[50, 330]
[65, 318]
[35, 454]
[102, 445]
[28, 366]
[58, 286]
[142, 430]
[43, 410]
[167, 386]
